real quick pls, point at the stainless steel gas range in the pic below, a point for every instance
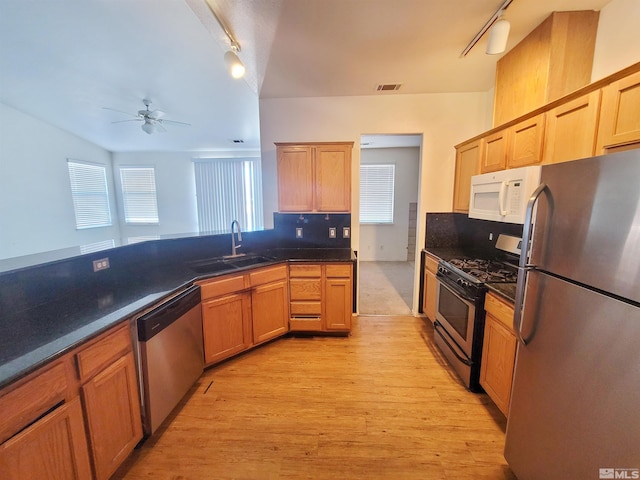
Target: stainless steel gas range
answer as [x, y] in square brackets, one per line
[459, 324]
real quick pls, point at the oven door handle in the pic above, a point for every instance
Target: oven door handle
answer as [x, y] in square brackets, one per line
[437, 327]
[454, 289]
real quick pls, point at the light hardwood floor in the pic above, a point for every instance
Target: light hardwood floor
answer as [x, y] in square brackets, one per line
[381, 404]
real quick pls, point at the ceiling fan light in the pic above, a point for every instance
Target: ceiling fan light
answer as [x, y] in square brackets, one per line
[498, 36]
[147, 127]
[234, 64]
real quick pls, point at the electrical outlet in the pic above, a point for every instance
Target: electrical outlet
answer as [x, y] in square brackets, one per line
[491, 236]
[332, 232]
[298, 232]
[101, 264]
[346, 232]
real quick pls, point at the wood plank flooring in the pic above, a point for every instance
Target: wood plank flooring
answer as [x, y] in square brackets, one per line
[381, 404]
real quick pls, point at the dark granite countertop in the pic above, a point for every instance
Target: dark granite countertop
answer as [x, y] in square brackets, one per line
[32, 337]
[506, 290]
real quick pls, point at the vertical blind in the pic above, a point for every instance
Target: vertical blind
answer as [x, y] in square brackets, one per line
[376, 193]
[90, 194]
[139, 194]
[227, 190]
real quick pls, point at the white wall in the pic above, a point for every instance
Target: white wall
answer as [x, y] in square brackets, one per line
[36, 209]
[618, 38]
[175, 188]
[443, 120]
[389, 242]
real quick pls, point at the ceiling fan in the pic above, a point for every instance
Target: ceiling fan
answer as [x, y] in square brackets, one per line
[151, 119]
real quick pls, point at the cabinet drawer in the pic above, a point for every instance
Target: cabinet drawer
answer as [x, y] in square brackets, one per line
[305, 271]
[97, 356]
[431, 264]
[499, 309]
[305, 289]
[223, 286]
[305, 324]
[31, 400]
[342, 271]
[305, 308]
[268, 275]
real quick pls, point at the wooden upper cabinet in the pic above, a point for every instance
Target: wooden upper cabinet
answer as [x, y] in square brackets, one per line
[571, 128]
[620, 114]
[525, 142]
[314, 177]
[467, 164]
[554, 60]
[494, 156]
[295, 178]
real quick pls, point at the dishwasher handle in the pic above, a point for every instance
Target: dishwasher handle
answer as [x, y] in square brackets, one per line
[153, 322]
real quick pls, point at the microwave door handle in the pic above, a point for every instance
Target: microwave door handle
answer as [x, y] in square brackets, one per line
[501, 198]
[524, 266]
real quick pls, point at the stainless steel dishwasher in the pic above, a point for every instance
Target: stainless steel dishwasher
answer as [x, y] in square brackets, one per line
[170, 355]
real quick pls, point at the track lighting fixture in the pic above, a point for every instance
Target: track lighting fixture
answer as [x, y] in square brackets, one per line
[498, 36]
[235, 65]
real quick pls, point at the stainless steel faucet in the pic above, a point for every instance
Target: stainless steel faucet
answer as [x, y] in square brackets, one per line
[234, 247]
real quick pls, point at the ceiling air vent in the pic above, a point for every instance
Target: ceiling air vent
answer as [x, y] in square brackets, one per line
[237, 141]
[388, 87]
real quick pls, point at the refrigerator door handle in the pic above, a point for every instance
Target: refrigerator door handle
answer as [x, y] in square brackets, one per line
[524, 266]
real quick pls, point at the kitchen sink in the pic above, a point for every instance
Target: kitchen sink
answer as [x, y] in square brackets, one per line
[218, 265]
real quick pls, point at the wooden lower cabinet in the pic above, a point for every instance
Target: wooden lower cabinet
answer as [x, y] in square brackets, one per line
[226, 323]
[430, 292]
[75, 418]
[53, 448]
[498, 352]
[321, 297]
[243, 310]
[113, 415]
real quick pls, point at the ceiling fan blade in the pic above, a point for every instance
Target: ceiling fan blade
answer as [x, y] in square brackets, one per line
[129, 120]
[119, 111]
[159, 127]
[173, 122]
[157, 114]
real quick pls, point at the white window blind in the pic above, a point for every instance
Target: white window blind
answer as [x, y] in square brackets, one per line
[90, 194]
[227, 190]
[139, 194]
[376, 193]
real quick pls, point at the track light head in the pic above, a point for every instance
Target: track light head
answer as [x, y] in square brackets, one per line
[498, 36]
[235, 65]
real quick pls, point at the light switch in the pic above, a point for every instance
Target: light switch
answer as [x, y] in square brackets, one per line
[299, 232]
[346, 232]
[332, 232]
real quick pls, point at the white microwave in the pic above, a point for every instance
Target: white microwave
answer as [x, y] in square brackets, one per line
[502, 196]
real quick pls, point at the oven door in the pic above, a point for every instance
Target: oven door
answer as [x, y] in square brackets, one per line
[456, 313]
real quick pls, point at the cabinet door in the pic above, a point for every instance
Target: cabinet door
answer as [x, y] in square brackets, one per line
[495, 152]
[112, 408]
[53, 448]
[498, 358]
[467, 165]
[525, 142]
[226, 326]
[295, 179]
[571, 128]
[430, 293]
[270, 309]
[333, 178]
[337, 304]
[619, 118]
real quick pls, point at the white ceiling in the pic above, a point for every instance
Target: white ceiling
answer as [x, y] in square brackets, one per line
[63, 60]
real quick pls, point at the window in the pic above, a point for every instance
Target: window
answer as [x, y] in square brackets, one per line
[376, 193]
[139, 194]
[227, 190]
[90, 194]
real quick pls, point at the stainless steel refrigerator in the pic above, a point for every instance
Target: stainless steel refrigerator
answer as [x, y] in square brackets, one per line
[575, 404]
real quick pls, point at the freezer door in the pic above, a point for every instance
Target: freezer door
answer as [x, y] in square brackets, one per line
[588, 223]
[576, 389]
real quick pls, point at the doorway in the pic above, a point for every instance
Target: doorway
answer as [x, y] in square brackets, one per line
[388, 222]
